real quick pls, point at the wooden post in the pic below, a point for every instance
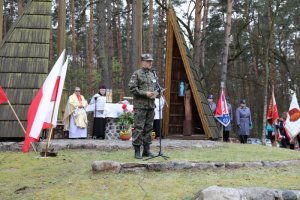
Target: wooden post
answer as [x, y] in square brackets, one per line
[51, 131]
[61, 26]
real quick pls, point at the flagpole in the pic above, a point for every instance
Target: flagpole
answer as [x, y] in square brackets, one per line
[20, 123]
[51, 131]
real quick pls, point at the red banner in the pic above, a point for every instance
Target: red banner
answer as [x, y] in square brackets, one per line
[272, 113]
[3, 97]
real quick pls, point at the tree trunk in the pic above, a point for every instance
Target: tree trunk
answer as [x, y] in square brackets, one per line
[101, 37]
[120, 47]
[268, 31]
[74, 53]
[202, 45]
[61, 38]
[151, 28]
[51, 51]
[227, 41]
[89, 49]
[128, 69]
[136, 39]
[21, 5]
[197, 35]
[109, 42]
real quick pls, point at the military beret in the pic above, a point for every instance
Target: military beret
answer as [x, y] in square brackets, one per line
[146, 57]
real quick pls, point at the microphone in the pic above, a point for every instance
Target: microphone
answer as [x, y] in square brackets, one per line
[154, 72]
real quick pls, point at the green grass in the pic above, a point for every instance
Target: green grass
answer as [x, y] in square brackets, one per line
[69, 176]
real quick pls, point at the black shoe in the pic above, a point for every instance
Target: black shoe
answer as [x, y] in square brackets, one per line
[137, 152]
[146, 151]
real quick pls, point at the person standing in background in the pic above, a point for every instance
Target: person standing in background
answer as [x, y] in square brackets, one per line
[99, 100]
[243, 121]
[75, 118]
[159, 105]
[211, 103]
[227, 129]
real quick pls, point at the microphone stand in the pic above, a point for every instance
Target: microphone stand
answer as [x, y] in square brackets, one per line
[160, 92]
[95, 116]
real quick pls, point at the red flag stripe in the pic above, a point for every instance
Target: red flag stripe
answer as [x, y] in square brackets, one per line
[30, 118]
[55, 91]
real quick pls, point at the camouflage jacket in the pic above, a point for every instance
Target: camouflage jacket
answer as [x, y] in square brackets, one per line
[142, 81]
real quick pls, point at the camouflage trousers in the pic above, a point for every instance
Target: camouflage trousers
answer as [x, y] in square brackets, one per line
[143, 126]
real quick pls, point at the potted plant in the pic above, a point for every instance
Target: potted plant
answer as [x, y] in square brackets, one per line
[125, 122]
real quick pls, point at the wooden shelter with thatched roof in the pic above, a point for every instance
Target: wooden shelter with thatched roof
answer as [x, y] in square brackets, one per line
[24, 57]
[179, 68]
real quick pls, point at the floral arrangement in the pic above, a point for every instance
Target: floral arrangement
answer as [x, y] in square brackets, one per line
[126, 118]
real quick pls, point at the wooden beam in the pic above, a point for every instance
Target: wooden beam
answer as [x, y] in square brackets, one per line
[168, 70]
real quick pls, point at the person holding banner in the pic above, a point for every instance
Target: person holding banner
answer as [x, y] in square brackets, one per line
[211, 103]
[75, 118]
[243, 121]
[98, 101]
[228, 128]
[285, 138]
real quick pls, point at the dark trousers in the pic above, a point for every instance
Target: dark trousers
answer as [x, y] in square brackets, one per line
[243, 139]
[225, 135]
[99, 127]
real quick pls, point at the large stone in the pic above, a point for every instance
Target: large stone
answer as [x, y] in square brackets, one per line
[218, 193]
[106, 166]
[255, 193]
[289, 195]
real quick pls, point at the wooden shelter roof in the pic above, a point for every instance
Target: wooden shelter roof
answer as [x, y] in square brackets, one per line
[24, 55]
[176, 42]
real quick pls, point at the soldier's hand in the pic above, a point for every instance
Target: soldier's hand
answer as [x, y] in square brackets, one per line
[149, 94]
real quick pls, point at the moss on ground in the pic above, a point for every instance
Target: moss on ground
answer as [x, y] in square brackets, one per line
[69, 176]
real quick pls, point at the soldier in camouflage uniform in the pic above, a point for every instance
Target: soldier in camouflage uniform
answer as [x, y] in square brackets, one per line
[142, 85]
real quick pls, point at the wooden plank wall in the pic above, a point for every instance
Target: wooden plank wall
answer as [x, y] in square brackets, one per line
[24, 55]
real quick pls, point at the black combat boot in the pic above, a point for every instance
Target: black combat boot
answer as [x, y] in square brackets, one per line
[146, 151]
[137, 152]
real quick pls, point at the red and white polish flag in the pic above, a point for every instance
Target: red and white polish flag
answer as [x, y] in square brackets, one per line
[272, 114]
[42, 105]
[292, 123]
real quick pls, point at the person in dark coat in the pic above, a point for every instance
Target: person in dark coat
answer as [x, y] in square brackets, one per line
[99, 99]
[285, 142]
[227, 129]
[243, 121]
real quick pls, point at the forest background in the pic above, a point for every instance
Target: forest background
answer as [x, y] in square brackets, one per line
[260, 49]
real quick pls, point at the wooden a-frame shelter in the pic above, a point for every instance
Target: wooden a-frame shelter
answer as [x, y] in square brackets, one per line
[179, 67]
[24, 57]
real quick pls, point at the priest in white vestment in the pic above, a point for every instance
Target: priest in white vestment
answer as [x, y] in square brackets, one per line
[75, 118]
